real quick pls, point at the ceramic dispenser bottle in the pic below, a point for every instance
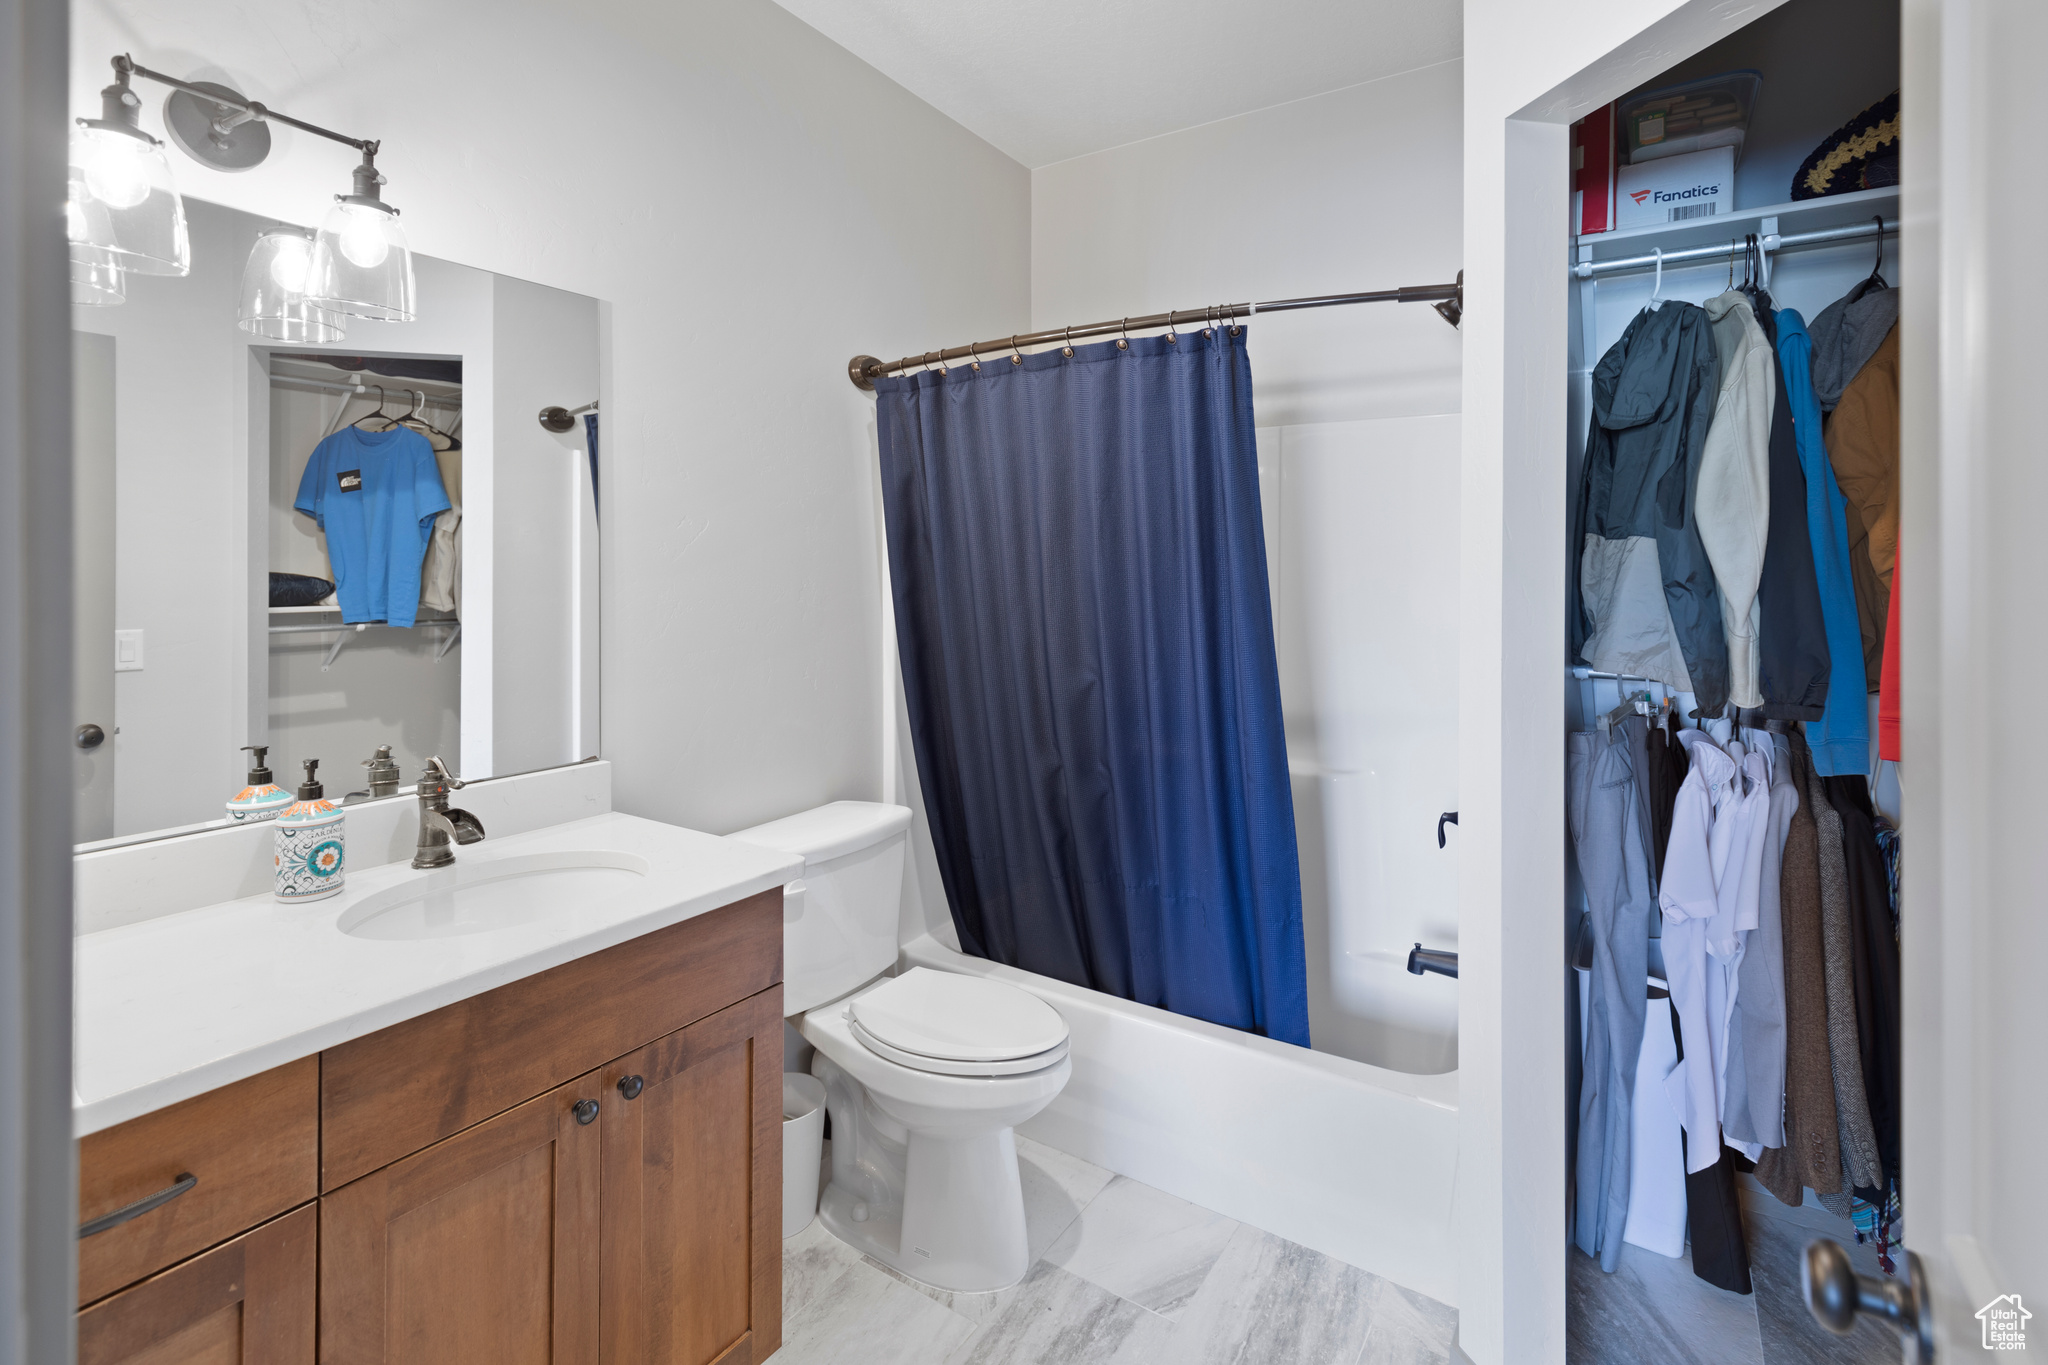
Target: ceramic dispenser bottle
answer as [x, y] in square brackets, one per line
[262, 799]
[309, 844]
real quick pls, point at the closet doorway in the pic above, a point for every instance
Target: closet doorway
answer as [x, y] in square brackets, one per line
[1730, 931]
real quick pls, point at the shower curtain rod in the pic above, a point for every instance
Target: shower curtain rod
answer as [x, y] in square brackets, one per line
[1449, 299]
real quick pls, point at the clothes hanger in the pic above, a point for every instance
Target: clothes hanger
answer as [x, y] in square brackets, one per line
[416, 419]
[418, 398]
[378, 413]
[1657, 289]
[1876, 279]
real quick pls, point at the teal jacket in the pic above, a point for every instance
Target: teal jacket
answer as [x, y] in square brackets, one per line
[1840, 739]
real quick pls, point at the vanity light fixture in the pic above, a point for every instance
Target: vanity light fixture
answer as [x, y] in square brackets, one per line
[274, 302]
[125, 215]
[361, 264]
[122, 200]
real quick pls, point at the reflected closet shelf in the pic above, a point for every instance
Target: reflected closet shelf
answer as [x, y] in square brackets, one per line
[348, 629]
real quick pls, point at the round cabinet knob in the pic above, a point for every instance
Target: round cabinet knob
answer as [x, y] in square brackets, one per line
[585, 1111]
[631, 1086]
[90, 736]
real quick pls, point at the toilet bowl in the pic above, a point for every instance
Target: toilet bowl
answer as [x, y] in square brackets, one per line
[926, 1075]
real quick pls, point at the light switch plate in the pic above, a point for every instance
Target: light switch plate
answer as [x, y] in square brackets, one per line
[127, 651]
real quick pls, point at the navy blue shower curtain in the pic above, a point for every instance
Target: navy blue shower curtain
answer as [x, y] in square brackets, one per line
[1079, 570]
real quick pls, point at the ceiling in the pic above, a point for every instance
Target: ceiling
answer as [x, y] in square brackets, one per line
[1054, 79]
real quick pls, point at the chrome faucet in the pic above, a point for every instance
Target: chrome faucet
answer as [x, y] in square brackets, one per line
[438, 823]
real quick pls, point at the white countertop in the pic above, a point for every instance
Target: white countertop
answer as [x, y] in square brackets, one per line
[178, 1005]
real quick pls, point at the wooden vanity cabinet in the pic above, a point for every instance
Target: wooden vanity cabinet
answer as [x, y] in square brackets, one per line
[247, 1302]
[482, 1248]
[693, 1193]
[583, 1167]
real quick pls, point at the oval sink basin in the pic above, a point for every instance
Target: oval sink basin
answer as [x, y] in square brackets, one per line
[499, 893]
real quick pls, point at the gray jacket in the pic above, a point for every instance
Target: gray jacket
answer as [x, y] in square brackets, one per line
[1846, 334]
[1641, 598]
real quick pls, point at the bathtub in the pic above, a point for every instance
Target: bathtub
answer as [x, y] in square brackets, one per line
[1356, 1161]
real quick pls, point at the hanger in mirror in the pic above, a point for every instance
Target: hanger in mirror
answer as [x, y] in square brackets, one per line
[368, 416]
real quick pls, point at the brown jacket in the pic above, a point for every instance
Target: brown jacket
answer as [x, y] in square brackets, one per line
[1812, 1154]
[1862, 436]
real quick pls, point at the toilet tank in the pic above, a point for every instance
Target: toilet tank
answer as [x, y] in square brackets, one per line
[839, 917]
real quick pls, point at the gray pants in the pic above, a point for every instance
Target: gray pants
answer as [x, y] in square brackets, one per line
[1612, 846]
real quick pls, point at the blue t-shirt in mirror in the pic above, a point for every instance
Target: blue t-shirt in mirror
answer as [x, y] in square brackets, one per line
[375, 494]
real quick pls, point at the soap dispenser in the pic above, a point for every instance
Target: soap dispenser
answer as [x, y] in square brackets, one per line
[262, 799]
[309, 844]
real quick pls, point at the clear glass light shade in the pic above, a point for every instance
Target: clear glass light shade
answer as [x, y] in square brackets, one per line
[125, 203]
[97, 280]
[274, 302]
[361, 264]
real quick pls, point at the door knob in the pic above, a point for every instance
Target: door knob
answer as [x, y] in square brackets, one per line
[90, 736]
[585, 1111]
[1836, 1293]
[631, 1086]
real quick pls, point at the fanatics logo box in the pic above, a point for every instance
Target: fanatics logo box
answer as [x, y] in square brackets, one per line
[1676, 189]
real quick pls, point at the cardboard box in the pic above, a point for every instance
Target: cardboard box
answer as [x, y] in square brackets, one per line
[1676, 189]
[1593, 159]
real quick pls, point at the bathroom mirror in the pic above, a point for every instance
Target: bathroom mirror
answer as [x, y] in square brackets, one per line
[205, 619]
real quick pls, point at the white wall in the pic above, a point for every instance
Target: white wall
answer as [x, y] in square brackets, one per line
[1353, 190]
[754, 205]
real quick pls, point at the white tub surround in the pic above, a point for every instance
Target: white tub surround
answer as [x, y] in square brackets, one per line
[1355, 1161]
[171, 1006]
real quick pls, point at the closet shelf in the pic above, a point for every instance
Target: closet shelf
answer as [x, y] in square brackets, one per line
[1803, 216]
[351, 628]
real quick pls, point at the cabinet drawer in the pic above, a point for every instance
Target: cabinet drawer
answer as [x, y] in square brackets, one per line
[254, 1148]
[250, 1302]
[408, 1086]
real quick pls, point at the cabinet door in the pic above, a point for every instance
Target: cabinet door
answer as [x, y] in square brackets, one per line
[693, 1193]
[246, 1302]
[480, 1250]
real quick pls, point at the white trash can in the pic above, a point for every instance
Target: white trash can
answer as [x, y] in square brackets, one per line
[803, 1146]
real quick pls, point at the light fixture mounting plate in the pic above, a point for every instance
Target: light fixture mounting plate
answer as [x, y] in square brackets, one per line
[189, 119]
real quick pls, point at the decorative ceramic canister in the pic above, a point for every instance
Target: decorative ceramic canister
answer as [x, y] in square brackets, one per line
[309, 844]
[262, 799]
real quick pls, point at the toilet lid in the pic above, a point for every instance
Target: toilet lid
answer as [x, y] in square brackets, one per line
[955, 1018]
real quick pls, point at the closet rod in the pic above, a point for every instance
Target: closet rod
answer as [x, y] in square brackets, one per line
[1449, 299]
[365, 390]
[1771, 243]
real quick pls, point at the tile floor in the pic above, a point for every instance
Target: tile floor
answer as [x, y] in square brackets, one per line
[1654, 1308]
[1120, 1273]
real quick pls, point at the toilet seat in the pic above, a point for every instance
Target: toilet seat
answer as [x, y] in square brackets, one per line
[953, 1025]
[942, 1066]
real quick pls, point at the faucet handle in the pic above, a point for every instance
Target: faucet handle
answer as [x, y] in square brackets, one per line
[437, 771]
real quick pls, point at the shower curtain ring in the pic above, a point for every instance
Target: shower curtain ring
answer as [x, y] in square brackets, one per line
[1170, 337]
[1016, 356]
[1233, 319]
[1068, 349]
[977, 359]
[1123, 343]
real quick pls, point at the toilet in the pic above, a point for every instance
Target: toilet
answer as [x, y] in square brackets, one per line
[926, 1074]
